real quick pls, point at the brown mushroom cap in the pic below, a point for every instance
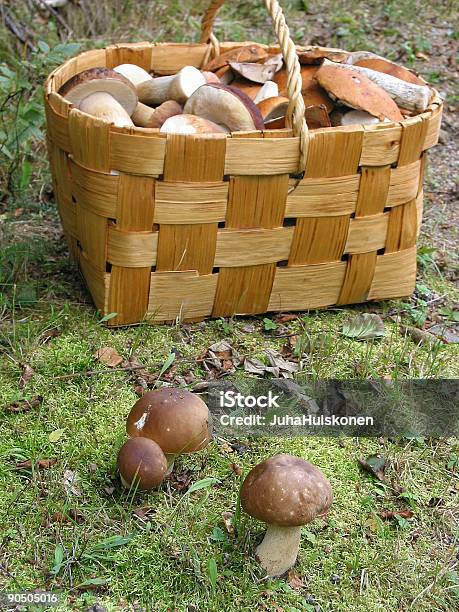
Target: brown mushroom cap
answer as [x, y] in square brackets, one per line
[176, 419]
[382, 65]
[225, 105]
[286, 491]
[273, 108]
[357, 91]
[313, 94]
[248, 53]
[97, 80]
[141, 463]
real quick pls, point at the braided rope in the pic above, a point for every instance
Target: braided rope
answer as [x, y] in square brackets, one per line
[295, 112]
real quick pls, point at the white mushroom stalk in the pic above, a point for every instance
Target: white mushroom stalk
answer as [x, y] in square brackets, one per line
[278, 551]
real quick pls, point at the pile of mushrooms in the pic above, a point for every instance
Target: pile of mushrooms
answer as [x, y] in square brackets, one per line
[245, 89]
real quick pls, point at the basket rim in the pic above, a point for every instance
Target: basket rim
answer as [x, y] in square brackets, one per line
[59, 104]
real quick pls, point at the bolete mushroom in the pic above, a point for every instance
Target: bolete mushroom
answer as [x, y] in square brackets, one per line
[357, 91]
[103, 93]
[225, 106]
[176, 419]
[148, 117]
[269, 90]
[191, 124]
[141, 464]
[273, 108]
[285, 492]
[154, 91]
[248, 53]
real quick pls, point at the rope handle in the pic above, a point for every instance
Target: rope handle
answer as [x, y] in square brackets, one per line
[295, 111]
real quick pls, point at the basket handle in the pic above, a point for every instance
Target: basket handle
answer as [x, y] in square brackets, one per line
[295, 111]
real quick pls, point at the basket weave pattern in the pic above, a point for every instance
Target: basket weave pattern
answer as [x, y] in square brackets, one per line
[169, 226]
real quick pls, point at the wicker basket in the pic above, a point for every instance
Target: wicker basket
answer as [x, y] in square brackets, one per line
[167, 227]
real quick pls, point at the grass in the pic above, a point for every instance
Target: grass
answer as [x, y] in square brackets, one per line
[168, 549]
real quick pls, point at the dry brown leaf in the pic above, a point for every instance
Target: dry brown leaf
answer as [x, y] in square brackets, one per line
[109, 356]
[48, 334]
[24, 405]
[26, 376]
[228, 522]
[389, 514]
[41, 464]
[295, 582]
[236, 469]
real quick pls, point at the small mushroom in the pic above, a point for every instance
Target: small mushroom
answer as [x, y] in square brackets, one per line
[176, 419]
[148, 117]
[273, 108]
[248, 53]
[103, 93]
[141, 464]
[269, 90]
[154, 91]
[225, 106]
[357, 91]
[191, 124]
[285, 492]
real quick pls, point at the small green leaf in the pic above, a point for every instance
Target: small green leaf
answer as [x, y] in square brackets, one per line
[269, 324]
[44, 47]
[107, 317]
[167, 364]
[213, 572]
[218, 535]
[310, 537]
[55, 435]
[58, 559]
[364, 327]
[202, 484]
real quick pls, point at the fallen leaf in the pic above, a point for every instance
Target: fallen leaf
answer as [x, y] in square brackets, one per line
[41, 464]
[389, 514]
[283, 367]
[93, 468]
[109, 489]
[76, 515]
[24, 405]
[364, 327]
[26, 376]
[56, 435]
[109, 356]
[285, 318]
[220, 359]
[295, 582]
[228, 522]
[236, 469]
[143, 513]
[375, 465]
[69, 481]
[181, 480]
[419, 336]
[49, 333]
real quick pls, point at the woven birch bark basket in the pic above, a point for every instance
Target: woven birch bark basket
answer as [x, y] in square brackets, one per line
[170, 227]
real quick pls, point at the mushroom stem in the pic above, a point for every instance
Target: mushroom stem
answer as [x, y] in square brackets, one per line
[279, 549]
[104, 106]
[170, 463]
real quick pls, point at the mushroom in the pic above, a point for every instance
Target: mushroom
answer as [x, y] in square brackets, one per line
[176, 419]
[153, 91]
[406, 95]
[357, 91]
[141, 464]
[225, 106]
[285, 492]
[191, 124]
[313, 94]
[249, 53]
[273, 108]
[360, 117]
[248, 87]
[316, 55]
[148, 117]
[102, 92]
[269, 90]
[367, 59]
[210, 77]
[317, 117]
[258, 73]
